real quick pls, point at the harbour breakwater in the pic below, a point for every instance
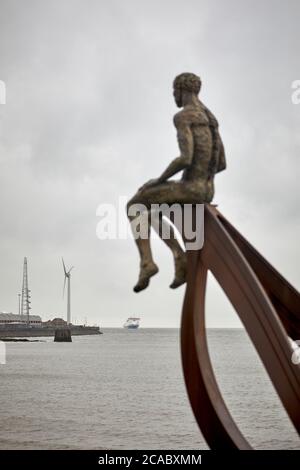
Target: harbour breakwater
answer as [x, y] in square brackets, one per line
[36, 331]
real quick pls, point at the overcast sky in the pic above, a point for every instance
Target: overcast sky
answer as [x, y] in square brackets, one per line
[88, 119]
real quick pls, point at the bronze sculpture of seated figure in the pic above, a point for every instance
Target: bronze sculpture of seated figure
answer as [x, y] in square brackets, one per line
[201, 157]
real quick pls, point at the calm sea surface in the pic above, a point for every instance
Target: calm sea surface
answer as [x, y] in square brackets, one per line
[124, 390]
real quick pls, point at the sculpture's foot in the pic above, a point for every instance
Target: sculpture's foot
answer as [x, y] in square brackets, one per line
[147, 271]
[180, 271]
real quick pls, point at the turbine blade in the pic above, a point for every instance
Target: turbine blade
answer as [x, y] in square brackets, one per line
[65, 271]
[70, 269]
[64, 287]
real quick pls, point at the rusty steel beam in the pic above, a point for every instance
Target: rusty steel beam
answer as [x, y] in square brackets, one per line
[284, 297]
[251, 284]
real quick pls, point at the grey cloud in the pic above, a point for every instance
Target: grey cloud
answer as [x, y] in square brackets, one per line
[89, 117]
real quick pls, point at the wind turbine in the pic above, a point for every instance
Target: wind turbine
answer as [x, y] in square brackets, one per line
[68, 278]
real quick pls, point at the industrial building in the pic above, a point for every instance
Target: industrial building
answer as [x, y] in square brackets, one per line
[13, 319]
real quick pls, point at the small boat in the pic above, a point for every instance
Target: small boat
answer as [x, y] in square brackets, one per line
[132, 323]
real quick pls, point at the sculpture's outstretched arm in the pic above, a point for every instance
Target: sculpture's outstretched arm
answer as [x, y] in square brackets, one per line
[186, 147]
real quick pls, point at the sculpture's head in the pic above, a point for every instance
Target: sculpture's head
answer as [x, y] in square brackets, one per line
[185, 83]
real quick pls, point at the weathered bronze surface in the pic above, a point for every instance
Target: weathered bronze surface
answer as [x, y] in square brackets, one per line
[201, 157]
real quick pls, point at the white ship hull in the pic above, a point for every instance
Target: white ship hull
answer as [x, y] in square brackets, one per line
[131, 327]
[132, 323]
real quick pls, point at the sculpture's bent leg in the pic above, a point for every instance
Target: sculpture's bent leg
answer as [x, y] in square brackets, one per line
[162, 227]
[147, 266]
[170, 192]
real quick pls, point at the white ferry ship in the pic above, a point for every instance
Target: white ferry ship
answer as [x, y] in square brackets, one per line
[132, 323]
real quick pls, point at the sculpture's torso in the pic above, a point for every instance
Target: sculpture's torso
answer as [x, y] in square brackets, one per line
[196, 118]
